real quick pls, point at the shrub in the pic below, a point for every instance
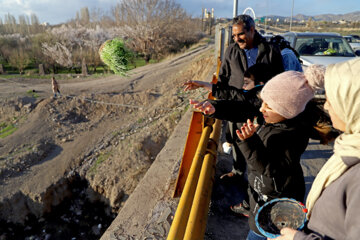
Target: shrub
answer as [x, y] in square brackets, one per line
[116, 55]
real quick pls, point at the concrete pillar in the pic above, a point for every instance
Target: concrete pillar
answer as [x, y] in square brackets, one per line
[2, 71]
[41, 69]
[235, 8]
[84, 68]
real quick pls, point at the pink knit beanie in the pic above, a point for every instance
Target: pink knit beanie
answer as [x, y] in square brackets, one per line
[288, 93]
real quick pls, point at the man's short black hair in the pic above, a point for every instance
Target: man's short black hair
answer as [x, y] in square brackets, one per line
[280, 41]
[244, 20]
[259, 72]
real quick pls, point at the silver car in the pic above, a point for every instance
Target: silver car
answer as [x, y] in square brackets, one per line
[353, 42]
[320, 48]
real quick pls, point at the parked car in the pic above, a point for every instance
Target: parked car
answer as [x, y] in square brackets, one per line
[353, 41]
[355, 36]
[267, 36]
[320, 48]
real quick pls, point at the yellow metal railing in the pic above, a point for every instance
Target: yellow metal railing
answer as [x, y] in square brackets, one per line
[191, 215]
[196, 173]
[196, 224]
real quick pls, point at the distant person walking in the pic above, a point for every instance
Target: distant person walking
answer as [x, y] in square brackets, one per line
[55, 87]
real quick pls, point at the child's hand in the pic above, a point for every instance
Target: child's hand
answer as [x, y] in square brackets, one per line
[192, 85]
[247, 130]
[286, 234]
[204, 106]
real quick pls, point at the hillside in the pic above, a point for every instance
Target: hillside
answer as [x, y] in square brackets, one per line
[103, 133]
[353, 16]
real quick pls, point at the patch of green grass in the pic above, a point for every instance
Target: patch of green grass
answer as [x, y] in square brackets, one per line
[6, 130]
[37, 76]
[140, 120]
[100, 159]
[32, 94]
[139, 62]
[175, 116]
[9, 75]
[186, 107]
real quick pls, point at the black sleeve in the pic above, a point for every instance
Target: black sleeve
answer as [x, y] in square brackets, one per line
[227, 92]
[271, 163]
[276, 60]
[234, 110]
[277, 155]
[224, 77]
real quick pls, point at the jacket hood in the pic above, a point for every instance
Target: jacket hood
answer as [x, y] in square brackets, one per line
[350, 161]
[258, 38]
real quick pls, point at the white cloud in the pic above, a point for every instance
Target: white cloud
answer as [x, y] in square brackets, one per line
[53, 11]
[57, 11]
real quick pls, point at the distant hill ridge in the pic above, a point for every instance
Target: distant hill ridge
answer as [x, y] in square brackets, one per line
[353, 16]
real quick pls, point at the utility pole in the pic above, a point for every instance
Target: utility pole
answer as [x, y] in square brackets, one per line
[235, 8]
[202, 19]
[292, 12]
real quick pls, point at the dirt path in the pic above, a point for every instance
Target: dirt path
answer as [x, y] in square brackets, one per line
[139, 79]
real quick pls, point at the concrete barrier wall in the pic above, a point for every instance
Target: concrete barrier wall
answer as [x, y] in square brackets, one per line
[148, 212]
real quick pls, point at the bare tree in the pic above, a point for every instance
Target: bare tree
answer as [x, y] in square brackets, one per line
[96, 15]
[153, 27]
[84, 16]
[7, 44]
[20, 59]
[59, 53]
[24, 25]
[35, 24]
[36, 48]
[34, 19]
[10, 23]
[69, 45]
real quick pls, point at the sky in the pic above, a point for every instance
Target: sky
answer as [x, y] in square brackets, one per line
[59, 11]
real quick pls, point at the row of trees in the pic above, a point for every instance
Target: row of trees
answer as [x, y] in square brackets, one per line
[25, 25]
[151, 28]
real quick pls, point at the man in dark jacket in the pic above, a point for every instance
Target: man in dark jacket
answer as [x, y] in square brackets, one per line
[249, 48]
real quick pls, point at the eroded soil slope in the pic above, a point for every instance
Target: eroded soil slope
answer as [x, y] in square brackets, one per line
[105, 130]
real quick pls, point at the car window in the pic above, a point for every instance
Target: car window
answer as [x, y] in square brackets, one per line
[323, 46]
[289, 39]
[348, 39]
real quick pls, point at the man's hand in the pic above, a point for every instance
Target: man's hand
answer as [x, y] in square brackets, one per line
[192, 85]
[247, 130]
[286, 234]
[205, 106]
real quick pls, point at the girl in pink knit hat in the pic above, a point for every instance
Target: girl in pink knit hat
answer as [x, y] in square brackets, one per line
[272, 151]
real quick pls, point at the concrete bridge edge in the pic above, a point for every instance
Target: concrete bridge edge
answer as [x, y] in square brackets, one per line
[148, 212]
